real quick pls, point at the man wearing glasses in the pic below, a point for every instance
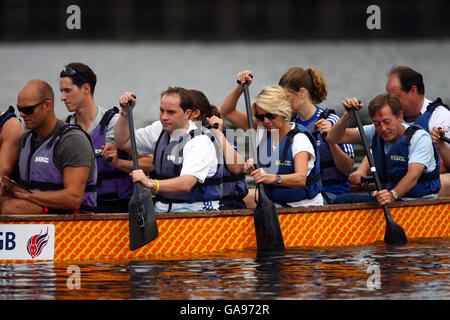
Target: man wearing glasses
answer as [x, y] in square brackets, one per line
[114, 186]
[56, 160]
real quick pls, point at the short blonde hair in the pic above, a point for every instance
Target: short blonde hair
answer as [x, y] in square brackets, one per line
[273, 100]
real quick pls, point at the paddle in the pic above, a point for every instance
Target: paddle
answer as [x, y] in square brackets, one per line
[445, 139]
[141, 212]
[394, 233]
[267, 225]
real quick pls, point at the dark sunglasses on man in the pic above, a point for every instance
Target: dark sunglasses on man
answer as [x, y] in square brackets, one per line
[72, 72]
[268, 115]
[30, 109]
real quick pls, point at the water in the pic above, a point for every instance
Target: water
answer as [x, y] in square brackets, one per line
[352, 68]
[418, 270]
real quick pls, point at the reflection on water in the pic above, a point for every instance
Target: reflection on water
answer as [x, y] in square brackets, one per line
[418, 270]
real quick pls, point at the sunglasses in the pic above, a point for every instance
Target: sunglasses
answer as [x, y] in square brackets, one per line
[268, 115]
[30, 109]
[72, 72]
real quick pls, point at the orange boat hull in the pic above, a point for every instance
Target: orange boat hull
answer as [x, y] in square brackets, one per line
[105, 236]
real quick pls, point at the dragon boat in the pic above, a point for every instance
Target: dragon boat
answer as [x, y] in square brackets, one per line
[27, 238]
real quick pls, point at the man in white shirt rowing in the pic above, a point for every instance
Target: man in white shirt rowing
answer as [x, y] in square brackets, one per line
[187, 174]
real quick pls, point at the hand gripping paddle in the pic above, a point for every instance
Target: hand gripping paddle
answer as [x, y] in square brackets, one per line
[394, 233]
[141, 211]
[269, 237]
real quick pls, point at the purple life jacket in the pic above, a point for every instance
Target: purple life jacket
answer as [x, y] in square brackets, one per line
[38, 171]
[112, 183]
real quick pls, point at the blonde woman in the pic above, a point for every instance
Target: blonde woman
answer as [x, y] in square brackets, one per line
[287, 153]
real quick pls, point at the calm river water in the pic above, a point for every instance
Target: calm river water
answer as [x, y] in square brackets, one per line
[147, 68]
[418, 270]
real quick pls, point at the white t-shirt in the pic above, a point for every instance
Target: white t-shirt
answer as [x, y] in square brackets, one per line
[439, 118]
[300, 143]
[199, 160]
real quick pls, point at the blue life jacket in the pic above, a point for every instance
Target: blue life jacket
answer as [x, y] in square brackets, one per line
[393, 166]
[234, 186]
[168, 162]
[423, 119]
[8, 114]
[283, 162]
[330, 175]
[38, 171]
[112, 183]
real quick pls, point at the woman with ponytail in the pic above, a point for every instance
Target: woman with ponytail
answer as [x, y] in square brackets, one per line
[234, 185]
[305, 89]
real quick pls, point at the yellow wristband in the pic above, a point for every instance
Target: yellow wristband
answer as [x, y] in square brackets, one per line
[157, 185]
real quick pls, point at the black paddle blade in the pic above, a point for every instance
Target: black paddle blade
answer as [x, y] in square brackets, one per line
[142, 218]
[267, 225]
[394, 233]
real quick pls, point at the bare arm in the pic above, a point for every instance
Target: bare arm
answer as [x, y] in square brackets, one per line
[122, 131]
[229, 111]
[292, 180]
[444, 153]
[339, 133]
[110, 152]
[176, 185]
[343, 162]
[9, 140]
[122, 134]
[69, 198]
[228, 107]
[233, 160]
[362, 171]
[145, 163]
[405, 184]
[444, 150]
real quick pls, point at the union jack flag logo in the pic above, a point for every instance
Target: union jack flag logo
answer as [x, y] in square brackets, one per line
[36, 243]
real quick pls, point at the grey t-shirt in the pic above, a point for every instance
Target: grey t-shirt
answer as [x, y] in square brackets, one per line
[74, 149]
[109, 137]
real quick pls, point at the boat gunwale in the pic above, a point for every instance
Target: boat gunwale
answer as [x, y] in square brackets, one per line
[223, 213]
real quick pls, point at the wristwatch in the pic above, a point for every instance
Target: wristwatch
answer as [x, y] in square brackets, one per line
[278, 179]
[394, 194]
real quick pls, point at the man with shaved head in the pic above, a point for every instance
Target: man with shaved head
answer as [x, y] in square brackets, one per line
[56, 159]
